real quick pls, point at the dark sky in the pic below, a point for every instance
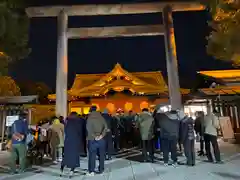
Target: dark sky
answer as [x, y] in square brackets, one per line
[100, 55]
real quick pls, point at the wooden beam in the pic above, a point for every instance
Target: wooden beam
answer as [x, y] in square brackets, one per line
[115, 31]
[112, 9]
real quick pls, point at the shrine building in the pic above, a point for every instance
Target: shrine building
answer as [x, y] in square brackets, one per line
[117, 89]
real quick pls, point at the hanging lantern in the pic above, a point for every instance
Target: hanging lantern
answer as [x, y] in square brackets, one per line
[111, 107]
[128, 106]
[144, 104]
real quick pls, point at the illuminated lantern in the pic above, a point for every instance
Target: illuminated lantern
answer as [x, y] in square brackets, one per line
[111, 107]
[144, 104]
[128, 106]
[86, 110]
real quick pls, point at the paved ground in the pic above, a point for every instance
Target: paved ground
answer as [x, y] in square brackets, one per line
[129, 167]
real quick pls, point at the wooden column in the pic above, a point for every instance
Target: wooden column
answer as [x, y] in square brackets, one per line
[171, 56]
[62, 65]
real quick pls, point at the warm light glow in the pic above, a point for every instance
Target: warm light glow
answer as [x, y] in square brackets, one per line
[144, 104]
[222, 73]
[136, 83]
[110, 107]
[118, 89]
[128, 106]
[127, 78]
[86, 110]
[76, 109]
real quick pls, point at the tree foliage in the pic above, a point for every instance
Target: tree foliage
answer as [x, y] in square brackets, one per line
[224, 40]
[13, 31]
[8, 87]
[32, 88]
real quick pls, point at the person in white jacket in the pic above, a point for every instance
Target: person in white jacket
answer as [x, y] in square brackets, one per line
[211, 126]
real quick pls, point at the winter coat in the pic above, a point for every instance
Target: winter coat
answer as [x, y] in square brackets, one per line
[199, 125]
[146, 125]
[108, 120]
[56, 134]
[187, 129]
[211, 124]
[73, 141]
[169, 124]
[96, 125]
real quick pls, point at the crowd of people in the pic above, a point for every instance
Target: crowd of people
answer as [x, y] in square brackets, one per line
[100, 135]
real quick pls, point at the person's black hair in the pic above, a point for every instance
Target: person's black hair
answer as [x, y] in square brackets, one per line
[173, 111]
[145, 110]
[73, 113]
[215, 111]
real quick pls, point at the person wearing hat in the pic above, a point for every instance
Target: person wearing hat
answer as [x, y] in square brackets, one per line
[96, 131]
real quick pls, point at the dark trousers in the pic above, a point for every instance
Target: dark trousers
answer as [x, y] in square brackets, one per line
[116, 141]
[210, 139]
[63, 166]
[148, 147]
[169, 145]
[201, 144]
[189, 152]
[96, 148]
[109, 144]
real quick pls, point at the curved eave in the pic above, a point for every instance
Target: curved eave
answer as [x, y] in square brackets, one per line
[71, 95]
[222, 74]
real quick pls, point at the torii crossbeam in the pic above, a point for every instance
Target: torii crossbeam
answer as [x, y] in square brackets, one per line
[64, 33]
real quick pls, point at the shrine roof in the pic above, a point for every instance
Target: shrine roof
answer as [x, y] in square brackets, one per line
[113, 9]
[118, 78]
[222, 74]
[221, 90]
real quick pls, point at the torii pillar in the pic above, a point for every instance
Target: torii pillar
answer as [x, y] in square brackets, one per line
[62, 12]
[62, 65]
[171, 59]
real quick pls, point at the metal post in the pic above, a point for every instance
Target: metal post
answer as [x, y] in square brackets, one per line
[62, 65]
[171, 56]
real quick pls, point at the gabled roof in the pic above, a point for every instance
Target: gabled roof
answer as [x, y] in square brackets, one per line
[118, 78]
[87, 85]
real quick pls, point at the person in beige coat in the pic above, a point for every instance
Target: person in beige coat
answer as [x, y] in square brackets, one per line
[56, 138]
[211, 126]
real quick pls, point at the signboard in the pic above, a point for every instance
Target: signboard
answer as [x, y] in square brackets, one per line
[226, 127]
[10, 120]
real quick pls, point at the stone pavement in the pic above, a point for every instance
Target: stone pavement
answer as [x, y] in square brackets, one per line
[127, 166]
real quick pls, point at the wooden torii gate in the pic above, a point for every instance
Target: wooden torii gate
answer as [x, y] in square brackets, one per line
[65, 33]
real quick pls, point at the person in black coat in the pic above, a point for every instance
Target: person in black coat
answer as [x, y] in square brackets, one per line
[188, 139]
[199, 129]
[72, 143]
[169, 124]
[108, 137]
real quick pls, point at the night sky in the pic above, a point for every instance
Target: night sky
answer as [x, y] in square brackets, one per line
[100, 55]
